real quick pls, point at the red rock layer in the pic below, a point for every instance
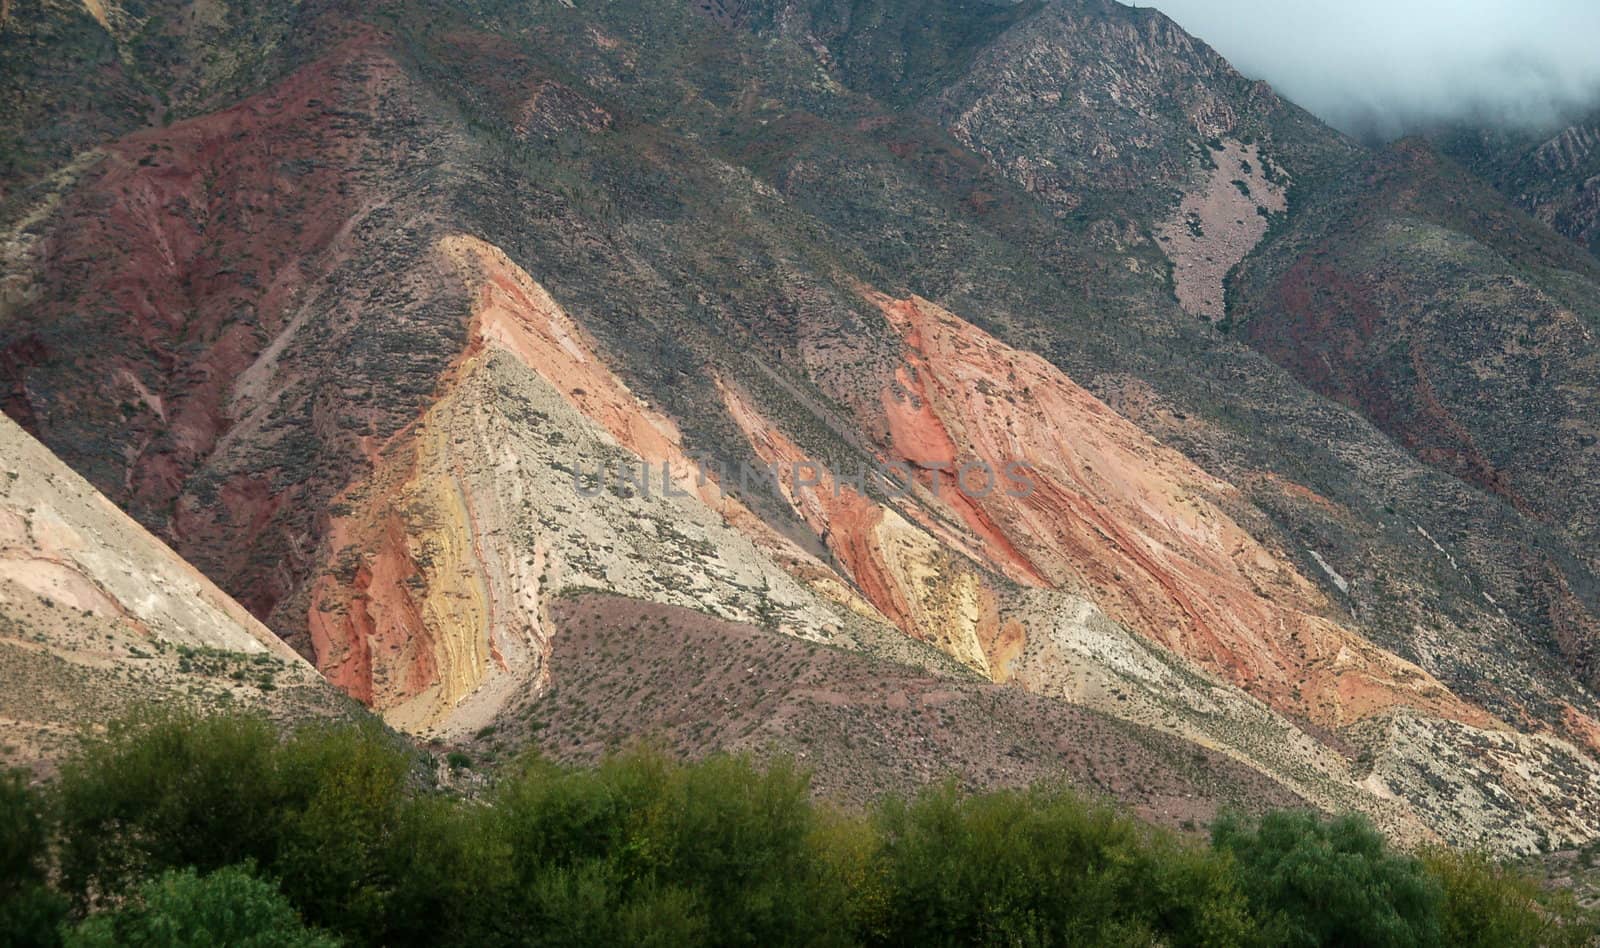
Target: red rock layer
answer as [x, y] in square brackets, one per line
[1133, 525]
[922, 585]
[183, 253]
[421, 602]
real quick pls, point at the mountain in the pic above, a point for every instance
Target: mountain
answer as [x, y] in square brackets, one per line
[1552, 173]
[354, 310]
[98, 617]
[1466, 332]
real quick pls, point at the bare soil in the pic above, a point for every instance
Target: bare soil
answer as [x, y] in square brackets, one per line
[625, 671]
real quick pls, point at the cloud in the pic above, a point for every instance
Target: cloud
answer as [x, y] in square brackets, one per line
[1384, 67]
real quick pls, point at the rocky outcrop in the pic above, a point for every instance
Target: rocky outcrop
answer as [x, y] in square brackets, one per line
[1093, 100]
[1113, 515]
[201, 359]
[859, 723]
[97, 615]
[521, 480]
[61, 540]
[927, 589]
[1222, 216]
[1553, 174]
[1119, 580]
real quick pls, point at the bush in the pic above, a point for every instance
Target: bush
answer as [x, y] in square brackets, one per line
[1043, 867]
[186, 910]
[1488, 905]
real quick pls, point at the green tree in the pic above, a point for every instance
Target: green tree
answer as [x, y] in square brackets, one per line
[643, 847]
[1313, 882]
[171, 791]
[341, 791]
[182, 909]
[451, 872]
[166, 791]
[29, 909]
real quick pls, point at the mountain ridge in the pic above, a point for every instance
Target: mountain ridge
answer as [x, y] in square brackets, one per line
[345, 341]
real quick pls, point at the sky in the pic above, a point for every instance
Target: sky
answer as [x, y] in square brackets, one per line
[1384, 67]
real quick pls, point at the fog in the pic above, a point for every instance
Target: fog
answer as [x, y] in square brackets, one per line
[1378, 69]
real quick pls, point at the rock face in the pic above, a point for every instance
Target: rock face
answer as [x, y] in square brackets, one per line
[379, 319]
[97, 615]
[1095, 97]
[65, 542]
[928, 590]
[1023, 471]
[1130, 524]
[194, 279]
[1112, 525]
[433, 604]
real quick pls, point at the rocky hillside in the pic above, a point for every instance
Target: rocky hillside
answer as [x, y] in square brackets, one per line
[357, 322]
[1552, 173]
[98, 617]
[864, 726]
[1466, 332]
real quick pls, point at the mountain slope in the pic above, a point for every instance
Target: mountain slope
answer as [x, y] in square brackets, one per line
[96, 616]
[353, 343]
[863, 725]
[1553, 174]
[1466, 332]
